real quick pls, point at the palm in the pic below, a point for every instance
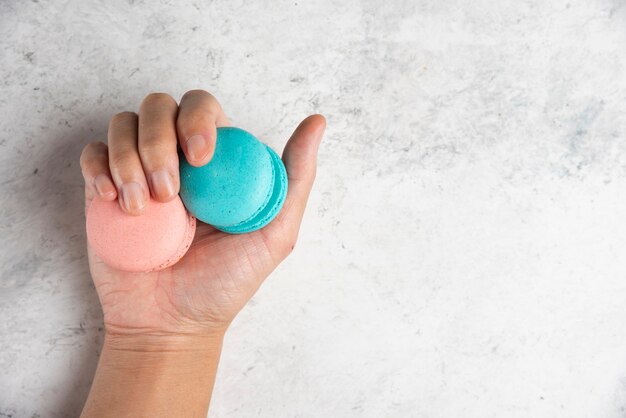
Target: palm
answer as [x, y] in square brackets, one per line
[209, 285]
[219, 273]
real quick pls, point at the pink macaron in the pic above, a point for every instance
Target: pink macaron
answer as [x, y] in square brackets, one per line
[152, 241]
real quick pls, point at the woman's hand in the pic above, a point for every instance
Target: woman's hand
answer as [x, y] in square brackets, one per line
[206, 289]
[164, 329]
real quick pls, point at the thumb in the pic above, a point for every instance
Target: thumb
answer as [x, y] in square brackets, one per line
[300, 158]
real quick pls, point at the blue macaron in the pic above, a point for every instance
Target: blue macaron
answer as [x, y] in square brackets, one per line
[241, 189]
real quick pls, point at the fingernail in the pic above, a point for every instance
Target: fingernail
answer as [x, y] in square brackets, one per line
[162, 184]
[103, 185]
[132, 196]
[197, 147]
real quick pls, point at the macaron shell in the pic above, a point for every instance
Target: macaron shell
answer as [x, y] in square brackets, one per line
[234, 186]
[272, 206]
[152, 241]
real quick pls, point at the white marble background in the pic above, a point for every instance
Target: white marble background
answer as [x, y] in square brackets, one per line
[464, 252]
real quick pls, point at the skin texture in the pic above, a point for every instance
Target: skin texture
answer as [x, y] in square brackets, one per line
[164, 329]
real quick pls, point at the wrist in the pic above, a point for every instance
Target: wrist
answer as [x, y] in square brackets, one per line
[157, 357]
[154, 375]
[163, 342]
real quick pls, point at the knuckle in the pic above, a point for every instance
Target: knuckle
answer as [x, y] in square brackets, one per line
[123, 117]
[158, 99]
[91, 153]
[154, 145]
[197, 92]
[199, 118]
[121, 161]
[213, 103]
[290, 248]
[288, 245]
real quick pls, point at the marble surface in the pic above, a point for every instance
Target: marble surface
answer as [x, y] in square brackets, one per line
[464, 251]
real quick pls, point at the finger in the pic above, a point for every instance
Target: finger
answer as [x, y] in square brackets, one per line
[94, 164]
[125, 164]
[157, 145]
[198, 116]
[300, 158]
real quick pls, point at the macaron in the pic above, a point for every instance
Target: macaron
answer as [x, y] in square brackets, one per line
[152, 241]
[241, 189]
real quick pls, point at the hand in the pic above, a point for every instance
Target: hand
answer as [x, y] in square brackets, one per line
[203, 292]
